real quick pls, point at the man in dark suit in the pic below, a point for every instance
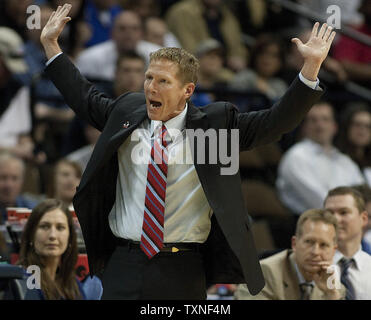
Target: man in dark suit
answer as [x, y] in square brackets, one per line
[146, 247]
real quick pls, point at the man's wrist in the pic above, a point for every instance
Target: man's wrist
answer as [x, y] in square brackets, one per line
[310, 84]
[51, 48]
[310, 69]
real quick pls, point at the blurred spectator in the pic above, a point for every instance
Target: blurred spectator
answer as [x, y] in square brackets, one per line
[77, 32]
[355, 57]
[257, 16]
[355, 136]
[365, 190]
[82, 155]
[348, 206]
[301, 273]
[156, 31]
[192, 21]
[100, 14]
[349, 9]
[144, 8]
[313, 166]
[66, 177]
[49, 241]
[212, 74]
[266, 60]
[155, 28]
[99, 62]
[13, 14]
[15, 114]
[51, 114]
[12, 171]
[129, 74]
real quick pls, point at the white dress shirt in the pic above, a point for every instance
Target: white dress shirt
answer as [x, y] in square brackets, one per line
[99, 61]
[16, 119]
[306, 173]
[187, 211]
[359, 273]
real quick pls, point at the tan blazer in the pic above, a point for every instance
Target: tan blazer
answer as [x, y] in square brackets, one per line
[185, 20]
[281, 281]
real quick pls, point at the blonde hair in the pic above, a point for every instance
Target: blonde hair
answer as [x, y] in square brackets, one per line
[187, 63]
[322, 215]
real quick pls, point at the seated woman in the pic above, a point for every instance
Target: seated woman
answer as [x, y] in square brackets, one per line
[355, 136]
[49, 241]
[266, 61]
[66, 177]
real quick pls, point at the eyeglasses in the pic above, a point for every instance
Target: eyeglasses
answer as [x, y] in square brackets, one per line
[360, 124]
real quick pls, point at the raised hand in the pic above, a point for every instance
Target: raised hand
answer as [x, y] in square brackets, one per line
[315, 50]
[53, 28]
[56, 23]
[319, 43]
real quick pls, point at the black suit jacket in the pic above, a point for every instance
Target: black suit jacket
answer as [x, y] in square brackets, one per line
[229, 252]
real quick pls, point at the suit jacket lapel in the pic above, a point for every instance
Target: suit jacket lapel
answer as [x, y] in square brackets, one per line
[197, 119]
[123, 126]
[127, 124]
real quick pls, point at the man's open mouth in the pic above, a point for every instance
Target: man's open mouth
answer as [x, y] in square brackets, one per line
[155, 104]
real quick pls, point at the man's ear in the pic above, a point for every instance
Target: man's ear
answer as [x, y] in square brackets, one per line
[364, 216]
[293, 243]
[189, 89]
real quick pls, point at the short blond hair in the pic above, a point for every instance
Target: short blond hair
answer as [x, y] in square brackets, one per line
[322, 215]
[187, 63]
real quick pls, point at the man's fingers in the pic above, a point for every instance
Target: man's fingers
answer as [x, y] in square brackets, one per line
[315, 29]
[63, 10]
[66, 19]
[322, 30]
[296, 41]
[51, 16]
[66, 9]
[327, 33]
[331, 37]
[58, 11]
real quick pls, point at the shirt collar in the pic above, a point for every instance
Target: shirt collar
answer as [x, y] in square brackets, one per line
[173, 125]
[357, 257]
[316, 147]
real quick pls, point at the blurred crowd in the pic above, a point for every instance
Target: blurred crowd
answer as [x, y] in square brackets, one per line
[246, 57]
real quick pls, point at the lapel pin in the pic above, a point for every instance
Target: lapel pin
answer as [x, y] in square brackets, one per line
[126, 125]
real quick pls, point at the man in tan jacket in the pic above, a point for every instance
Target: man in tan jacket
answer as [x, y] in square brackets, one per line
[193, 21]
[305, 272]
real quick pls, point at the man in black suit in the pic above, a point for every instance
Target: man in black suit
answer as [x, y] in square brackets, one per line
[146, 247]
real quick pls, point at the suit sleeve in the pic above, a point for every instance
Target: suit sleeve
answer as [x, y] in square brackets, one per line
[266, 126]
[87, 102]
[267, 293]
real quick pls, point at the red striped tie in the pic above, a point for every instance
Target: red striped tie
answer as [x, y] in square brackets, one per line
[152, 238]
